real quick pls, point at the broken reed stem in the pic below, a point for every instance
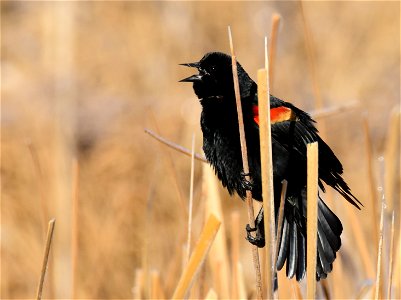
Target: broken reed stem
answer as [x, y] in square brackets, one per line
[174, 145]
[266, 162]
[311, 212]
[280, 217]
[390, 263]
[244, 152]
[191, 197]
[273, 47]
[49, 238]
[379, 255]
[197, 258]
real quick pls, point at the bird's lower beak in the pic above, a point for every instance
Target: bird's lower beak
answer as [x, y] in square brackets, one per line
[192, 78]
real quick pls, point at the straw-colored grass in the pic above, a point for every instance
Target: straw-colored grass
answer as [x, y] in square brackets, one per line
[197, 258]
[311, 224]
[79, 80]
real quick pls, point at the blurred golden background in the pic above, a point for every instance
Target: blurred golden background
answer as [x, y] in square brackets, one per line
[81, 81]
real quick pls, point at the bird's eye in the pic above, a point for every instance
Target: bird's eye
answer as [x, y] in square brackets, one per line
[213, 68]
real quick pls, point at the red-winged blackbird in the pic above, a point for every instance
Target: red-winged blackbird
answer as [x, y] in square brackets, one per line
[291, 130]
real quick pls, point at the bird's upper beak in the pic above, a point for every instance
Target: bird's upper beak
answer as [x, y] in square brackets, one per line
[193, 78]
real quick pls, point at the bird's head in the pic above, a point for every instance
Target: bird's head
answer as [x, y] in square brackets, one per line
[215, 79]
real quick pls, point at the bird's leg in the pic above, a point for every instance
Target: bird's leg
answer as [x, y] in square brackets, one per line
[246, 184]
[259, 239]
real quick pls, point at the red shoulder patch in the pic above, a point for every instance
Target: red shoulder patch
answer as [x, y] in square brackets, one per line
[277, 114]
[255, 110]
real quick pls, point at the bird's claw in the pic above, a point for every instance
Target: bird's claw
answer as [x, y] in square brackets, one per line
[249, 228]
[246, 184]
[258, 240]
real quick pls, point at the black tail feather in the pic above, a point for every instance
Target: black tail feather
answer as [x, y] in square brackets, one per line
[293, 240]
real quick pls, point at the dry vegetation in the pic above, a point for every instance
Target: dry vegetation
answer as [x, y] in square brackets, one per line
[80, 82]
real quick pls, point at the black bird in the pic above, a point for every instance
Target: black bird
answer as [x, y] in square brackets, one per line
[292, 129]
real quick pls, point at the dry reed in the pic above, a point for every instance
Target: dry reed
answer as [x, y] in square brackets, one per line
[174, 145]
[378, 283]
[244, 152]
[273, 47]
[311, 211]
[390, 263]
[197, 258]
[49, 239]
[267, 174]
[218, 258]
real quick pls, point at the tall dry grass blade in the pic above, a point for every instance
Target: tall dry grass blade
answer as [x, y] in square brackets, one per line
[49, 238]
[64, 99]
[218, 259]
[379, 256]
[197, 258]
[392, 156]
[372, 181]
[235, 218]
[390, 263]
[266, 162]
[191, 197]
[273, 47]
[75, 226]
[244, 152]
[175, 146]
[311, 223]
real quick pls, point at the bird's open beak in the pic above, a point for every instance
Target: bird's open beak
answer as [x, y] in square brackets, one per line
[193, 78]
[191, 65]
